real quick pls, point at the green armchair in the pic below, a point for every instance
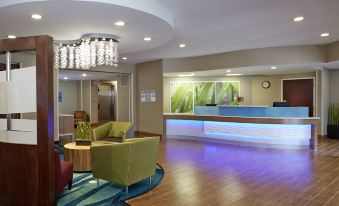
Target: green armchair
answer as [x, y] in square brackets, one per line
[125, 163]
[121, 130]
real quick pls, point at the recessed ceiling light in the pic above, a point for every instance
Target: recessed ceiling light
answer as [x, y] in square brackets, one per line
[298, 19]
[182, 45]
[120, 23]
[274, 67]
[36, 16]
[234, 75]
[186, 75]
[84, 75]
[228, 70]
[124, 58]
[325, 34]
[65, 78]
[11, 36]
[147, 39]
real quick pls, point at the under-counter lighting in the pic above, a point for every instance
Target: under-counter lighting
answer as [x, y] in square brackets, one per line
[186, 75]
[65, 78]
[36, 16]
[11, 36]
[274, 67]
[234, 75]
[84, 75]
[298, 19]
[120, 23]
[325, 34]
[147, 39]
[228, 70]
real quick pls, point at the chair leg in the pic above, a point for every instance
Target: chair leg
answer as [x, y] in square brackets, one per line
[126, 188]
[70, 185]
[150, 180]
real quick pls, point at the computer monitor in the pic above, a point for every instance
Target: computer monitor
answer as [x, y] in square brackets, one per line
[211, 105]
[280, 104]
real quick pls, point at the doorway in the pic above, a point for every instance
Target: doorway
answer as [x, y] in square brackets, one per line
[106, 102]
[300, 93]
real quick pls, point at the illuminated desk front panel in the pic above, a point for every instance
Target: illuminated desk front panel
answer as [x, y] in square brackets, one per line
[296, 133]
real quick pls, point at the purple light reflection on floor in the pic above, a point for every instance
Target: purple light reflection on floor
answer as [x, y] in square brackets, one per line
[291, 167]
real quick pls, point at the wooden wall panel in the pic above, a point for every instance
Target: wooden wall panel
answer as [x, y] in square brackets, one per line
[27, 173]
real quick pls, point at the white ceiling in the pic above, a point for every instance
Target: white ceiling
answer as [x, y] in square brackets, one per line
[205, 26]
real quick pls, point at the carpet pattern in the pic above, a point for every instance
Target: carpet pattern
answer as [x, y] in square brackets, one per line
[85, 191]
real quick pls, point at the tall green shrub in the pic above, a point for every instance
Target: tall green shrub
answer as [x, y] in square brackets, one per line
[333, 114]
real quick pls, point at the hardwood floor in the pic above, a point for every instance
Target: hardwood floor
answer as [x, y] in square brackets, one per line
[214, 174]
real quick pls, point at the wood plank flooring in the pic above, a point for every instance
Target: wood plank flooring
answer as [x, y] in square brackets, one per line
[214, 174]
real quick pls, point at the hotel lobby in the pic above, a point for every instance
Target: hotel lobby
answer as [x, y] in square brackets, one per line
[167, 102]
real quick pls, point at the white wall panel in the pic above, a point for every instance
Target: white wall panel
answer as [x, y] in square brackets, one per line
[24, 125]
[18, 137]
[3, 124]
[24, 73]
[2, 76]
[21, 96]
[3, 99]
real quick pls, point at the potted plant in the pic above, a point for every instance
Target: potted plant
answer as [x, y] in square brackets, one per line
[83, 133]
[333, 121]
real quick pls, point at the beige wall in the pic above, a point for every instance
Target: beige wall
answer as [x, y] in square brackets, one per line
[69, 102]
[245, 87]
[261, 96]
[247, 58]
[149, 115]
[334, 86]
[333, 52]
[250, 87]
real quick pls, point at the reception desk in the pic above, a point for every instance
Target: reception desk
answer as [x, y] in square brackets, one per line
[272, 127]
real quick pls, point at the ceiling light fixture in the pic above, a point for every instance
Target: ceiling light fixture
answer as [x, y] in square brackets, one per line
[84, 75]
[36, 16]
[182, 45]
[298, 19]
[274, 67]
[92, 50]
[325, 34]
[120, 23]
[186, 75]
[147, 39]
[228, 70]
[65, 78]
[11, 36]
[234, 75]
[124, 58]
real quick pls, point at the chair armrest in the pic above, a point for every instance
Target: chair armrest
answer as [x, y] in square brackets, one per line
[111, 162]
[101, 131]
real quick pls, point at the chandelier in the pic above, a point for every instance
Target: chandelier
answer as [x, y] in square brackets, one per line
[90, 51]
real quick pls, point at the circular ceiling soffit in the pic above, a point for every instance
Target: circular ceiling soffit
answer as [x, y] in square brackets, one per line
[69, 20]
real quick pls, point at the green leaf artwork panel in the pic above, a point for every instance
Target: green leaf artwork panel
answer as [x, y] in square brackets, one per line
[181, 97]
[226, 91]
[183, 94]
[204, 93]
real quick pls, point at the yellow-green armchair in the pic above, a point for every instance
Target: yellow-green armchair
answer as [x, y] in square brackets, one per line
[125, 163]
[121, 130]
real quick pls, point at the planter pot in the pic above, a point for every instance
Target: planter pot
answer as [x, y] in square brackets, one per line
[333, 131]
[83, 143]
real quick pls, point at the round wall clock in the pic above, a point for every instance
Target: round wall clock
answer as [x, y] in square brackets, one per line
[266, 84]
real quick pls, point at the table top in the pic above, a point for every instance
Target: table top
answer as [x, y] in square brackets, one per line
[73, 146]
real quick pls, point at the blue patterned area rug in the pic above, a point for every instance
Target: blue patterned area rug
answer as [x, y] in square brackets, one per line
[85, 191]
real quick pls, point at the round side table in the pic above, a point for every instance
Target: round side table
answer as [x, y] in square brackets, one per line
[80, 156]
